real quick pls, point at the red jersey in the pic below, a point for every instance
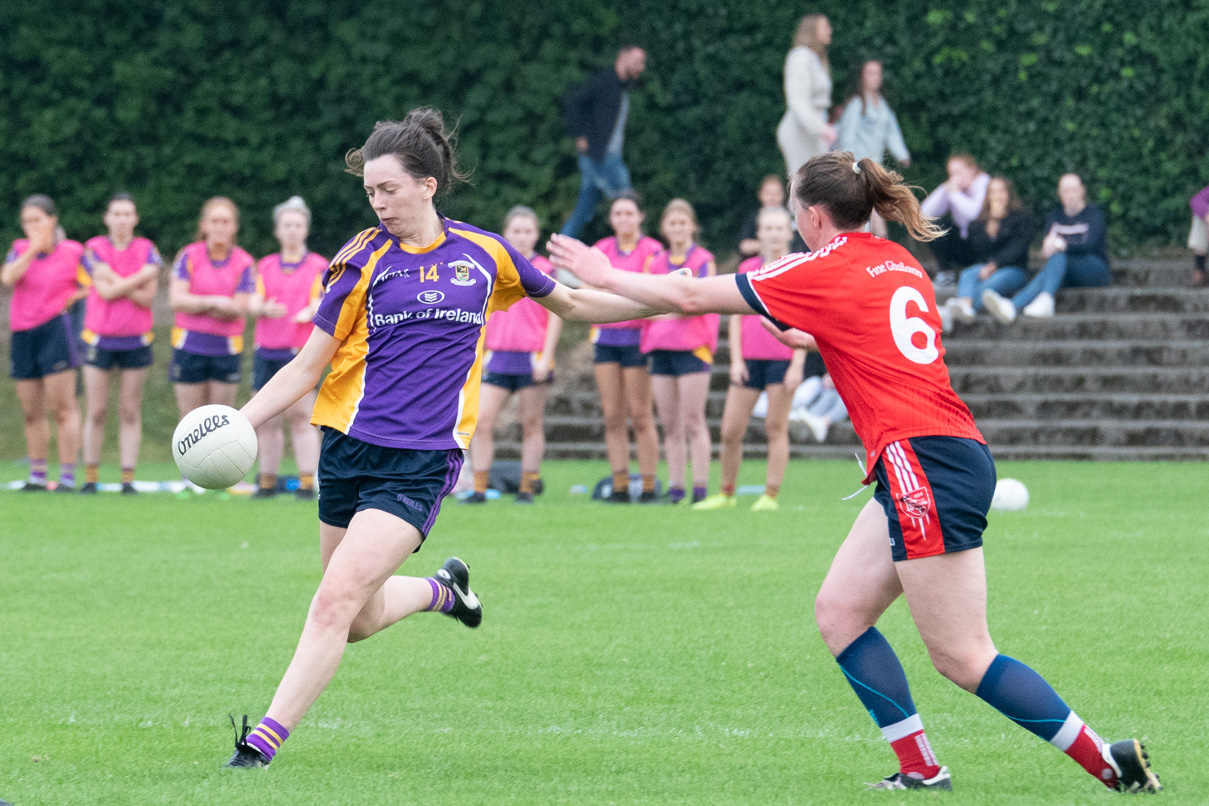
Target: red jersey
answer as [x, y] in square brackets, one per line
[872, 310]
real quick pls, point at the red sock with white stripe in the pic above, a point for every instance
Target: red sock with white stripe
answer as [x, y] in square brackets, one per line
[1087, 749]
[910, 744]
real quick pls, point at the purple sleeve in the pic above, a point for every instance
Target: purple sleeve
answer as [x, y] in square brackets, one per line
[90, 260]
[180, 269]
[534, 282]
[338, 282]
[153, 256]
[247, 280]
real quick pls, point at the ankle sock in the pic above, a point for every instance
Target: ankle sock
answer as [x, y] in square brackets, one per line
[127, 475]
[621, 481]
[268, 481]
[481, 479]
[648, 484]
[306, 481]
[529, 481]
[67, 474]
[675, 494]
[92, 473]
[728, 490]
[700, 491]
[442, 597]
[771, 490]
[37, 471]
[268, 737]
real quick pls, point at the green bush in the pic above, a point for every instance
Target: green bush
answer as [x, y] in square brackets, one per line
[182, 100]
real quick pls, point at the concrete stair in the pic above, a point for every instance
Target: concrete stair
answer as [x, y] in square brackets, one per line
[1118, 373]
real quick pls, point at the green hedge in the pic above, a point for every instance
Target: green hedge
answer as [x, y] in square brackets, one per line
[178, 101]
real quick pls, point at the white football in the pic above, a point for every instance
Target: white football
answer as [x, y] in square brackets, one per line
[1010, 495]
[214, 446]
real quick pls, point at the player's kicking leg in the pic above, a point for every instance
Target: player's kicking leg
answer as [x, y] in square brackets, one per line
[358, 596]
[859, 587]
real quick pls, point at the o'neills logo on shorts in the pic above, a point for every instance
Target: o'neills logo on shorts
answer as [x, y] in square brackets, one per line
[208, 426]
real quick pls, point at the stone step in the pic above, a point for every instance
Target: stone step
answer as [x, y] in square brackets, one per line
[1077, 353]
[1072, 326]
[1091, 380]
[1073, 431]
[1130, 407]
[1137, 300]
[1154, 274]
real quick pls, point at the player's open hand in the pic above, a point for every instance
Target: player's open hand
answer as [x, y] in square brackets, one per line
[738, 373]
[587, 263]
[793, 337]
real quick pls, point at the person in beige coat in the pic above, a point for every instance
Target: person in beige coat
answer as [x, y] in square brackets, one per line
[804, 131]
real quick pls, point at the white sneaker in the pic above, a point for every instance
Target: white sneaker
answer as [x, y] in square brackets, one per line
[817, 425]
[963, 309]
[946, 316]
[1040, 308]
[999, 307]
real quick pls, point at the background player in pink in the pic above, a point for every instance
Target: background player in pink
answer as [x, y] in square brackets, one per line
[117, 333]
[681, 351]
[620, 367]
[520, 343]
[758, 363]
[44, 271]
[288, 288]
[402, 324]
[212, 280]
[870, 307]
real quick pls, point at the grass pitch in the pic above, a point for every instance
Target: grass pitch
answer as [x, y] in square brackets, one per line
[627, 655]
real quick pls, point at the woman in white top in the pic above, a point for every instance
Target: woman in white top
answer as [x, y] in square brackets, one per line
[868, 127]
[804, 131]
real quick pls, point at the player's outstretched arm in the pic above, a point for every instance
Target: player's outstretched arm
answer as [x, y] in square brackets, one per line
[663, 293]
[294, 380]
[588, 305]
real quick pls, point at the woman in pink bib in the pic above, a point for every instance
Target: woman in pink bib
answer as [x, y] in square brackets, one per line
[212, 281]
[758, 362]
[621, 369]
[43, 269]
[681, 349]
[289, 285]
[117, 333]
[520, 358]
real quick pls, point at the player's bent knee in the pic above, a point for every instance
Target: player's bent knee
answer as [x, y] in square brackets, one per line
[965, 667]
[333, 608]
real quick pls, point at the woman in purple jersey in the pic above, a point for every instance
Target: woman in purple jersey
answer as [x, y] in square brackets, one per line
[401, 323]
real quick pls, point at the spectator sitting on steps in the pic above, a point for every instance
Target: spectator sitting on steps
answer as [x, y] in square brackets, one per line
[1198, 237]
[1076, 253]
[957, 202]
[999, 239]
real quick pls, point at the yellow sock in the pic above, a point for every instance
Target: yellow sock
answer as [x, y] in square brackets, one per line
[528, 479]
[306, 481]
[268, 481]
[127, 475]
[648, 484]
[481, 479]
[92, 473]
[621, 480]
[771, 490]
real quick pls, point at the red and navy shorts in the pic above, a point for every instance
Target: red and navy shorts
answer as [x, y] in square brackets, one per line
[936, 492]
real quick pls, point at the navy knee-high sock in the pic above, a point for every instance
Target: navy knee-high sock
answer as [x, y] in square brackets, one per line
[878, 679]
[1023, 696]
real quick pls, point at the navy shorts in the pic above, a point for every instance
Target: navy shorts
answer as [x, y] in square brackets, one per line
[99, 357]
[936, 492]
[195, 368]
[676, 362]
[265, 368]
[628, 355]
[514, 381]
[409, 484]
[762, 373]
[44, 350]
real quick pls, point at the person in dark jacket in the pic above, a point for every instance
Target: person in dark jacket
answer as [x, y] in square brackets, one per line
[597, 112]
[1076, 255]
[998, 240]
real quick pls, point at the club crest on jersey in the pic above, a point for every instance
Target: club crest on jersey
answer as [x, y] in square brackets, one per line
[461, 273]
[430, 297]
[917, 503]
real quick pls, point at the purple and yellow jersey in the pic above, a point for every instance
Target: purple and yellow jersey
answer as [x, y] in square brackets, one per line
[412, 323]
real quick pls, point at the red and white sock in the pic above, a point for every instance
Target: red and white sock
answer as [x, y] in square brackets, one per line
[910, 744]
[1087, 749]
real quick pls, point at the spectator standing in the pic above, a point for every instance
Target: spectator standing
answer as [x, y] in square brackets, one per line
[1076, 255]
[804, 131]
[45, 272]
[771, 194]
[1198, 237]
[868, 127]
[117, 335]
[999, 239]
[597, 112]
[289, 286]
[957, 202]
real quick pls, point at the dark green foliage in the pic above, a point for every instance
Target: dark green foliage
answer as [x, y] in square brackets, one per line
[182, 100]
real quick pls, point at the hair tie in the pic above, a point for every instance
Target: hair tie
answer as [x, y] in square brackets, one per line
[856, 168]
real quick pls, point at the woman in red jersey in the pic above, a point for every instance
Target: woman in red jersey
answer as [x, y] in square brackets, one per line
[871, 310]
